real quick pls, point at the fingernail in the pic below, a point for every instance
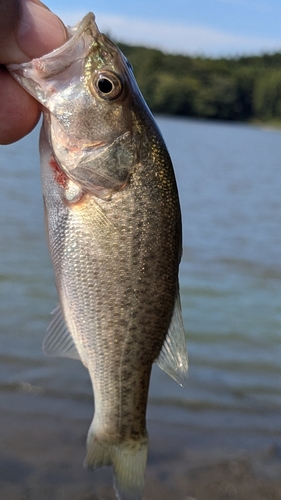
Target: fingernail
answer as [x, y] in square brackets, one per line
[40, 31]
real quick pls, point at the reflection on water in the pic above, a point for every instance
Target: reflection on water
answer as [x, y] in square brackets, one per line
[229, 180]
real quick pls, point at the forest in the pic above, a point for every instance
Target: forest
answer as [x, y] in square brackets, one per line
[237, 89]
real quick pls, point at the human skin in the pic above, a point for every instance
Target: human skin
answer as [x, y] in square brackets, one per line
[27, 30]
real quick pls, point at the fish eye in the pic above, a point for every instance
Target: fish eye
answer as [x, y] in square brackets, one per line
[107, 85]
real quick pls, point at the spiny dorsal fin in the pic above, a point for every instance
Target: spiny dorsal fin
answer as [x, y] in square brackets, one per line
[59, 341]
[173, 356]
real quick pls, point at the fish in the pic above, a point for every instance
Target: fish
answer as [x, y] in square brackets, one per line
[113, 224]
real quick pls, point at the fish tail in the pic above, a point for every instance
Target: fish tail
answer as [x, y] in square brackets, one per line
[128, 459]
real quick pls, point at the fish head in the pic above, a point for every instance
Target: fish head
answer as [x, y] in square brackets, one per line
[90, 100]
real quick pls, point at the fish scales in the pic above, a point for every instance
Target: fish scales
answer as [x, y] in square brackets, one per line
[118, 268]
[114, 231]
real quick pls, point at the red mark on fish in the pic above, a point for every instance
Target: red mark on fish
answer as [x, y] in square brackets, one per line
[60, 177]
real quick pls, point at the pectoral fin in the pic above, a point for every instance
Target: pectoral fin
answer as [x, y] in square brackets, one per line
[173, 356]
[58, 341]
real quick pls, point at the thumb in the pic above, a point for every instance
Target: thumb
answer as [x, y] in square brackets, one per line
[27, 30]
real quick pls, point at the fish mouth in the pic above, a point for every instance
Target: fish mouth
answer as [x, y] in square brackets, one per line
[80, 41]
[41, 76]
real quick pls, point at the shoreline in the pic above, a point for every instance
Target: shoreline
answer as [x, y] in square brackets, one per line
[42, 455]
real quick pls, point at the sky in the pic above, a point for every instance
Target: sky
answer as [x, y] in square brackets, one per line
[214, 28]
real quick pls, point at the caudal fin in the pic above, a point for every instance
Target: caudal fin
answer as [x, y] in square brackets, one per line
[128, 459]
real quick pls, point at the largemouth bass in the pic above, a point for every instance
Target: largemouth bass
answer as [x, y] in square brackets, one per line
[114, 230]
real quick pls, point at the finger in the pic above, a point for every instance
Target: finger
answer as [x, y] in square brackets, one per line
[9, 22]
[39, 31]
[28, 30]
[19, 112]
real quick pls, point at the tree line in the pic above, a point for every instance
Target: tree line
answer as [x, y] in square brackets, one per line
[240, 89]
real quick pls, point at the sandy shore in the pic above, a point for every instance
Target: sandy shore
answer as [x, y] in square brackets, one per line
[41, 458]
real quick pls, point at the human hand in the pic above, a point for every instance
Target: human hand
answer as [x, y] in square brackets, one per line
[27, 30]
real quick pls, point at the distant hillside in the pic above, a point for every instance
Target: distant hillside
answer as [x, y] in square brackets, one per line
[242, 89]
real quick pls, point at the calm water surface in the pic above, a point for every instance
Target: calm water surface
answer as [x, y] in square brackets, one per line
[229, 178]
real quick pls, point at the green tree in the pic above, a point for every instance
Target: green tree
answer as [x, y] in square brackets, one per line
[230, 89]
[175, 94]
[245, 78]
[218, 99]
[267, 95]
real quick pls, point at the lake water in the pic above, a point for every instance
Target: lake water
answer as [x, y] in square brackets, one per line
[229, 179]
